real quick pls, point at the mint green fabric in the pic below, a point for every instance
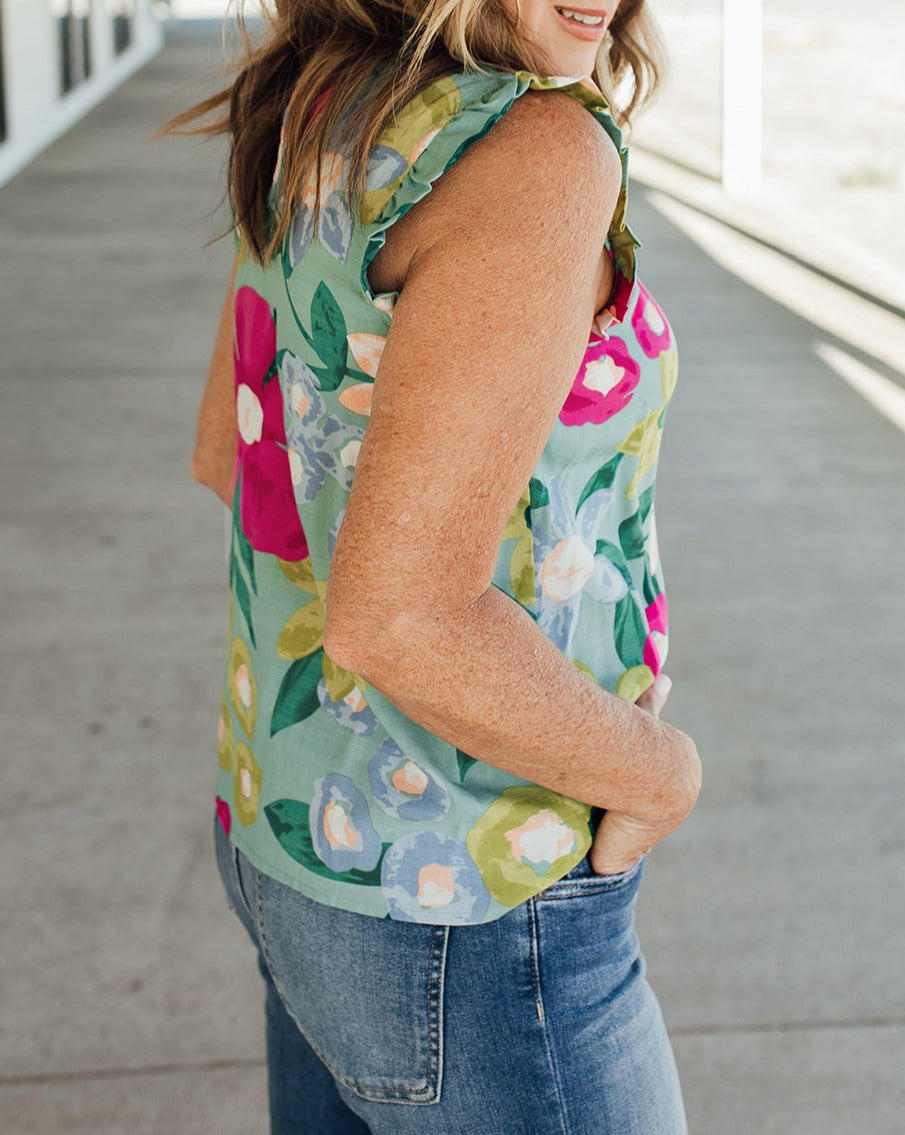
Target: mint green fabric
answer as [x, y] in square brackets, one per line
[323, 783]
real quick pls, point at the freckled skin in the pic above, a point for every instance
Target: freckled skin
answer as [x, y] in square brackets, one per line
[409, 605]
[409, 602]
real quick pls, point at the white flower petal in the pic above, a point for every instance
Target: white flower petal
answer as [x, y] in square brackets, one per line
[249, 414]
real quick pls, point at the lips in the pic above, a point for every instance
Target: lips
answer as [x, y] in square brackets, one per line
[581, 30]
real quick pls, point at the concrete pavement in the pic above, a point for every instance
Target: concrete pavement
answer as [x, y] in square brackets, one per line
[773, 921]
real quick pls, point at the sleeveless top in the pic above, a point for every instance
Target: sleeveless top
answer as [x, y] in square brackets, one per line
[323, 783]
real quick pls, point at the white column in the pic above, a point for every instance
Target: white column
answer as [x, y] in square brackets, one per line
[101, 38]
[36, 111]
[743, 48]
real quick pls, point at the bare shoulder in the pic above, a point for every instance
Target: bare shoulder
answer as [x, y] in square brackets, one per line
[554, 119]
[545, 148]
[546, 156]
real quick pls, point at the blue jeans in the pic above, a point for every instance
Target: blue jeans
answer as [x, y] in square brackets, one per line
[540, 1023]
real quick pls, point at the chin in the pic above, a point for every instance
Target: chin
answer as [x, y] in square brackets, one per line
[570, 62]
[576, 65]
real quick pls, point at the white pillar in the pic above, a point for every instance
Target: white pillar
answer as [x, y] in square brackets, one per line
[36, 110]
[743, 48]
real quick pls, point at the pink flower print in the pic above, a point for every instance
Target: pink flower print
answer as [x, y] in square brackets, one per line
[318, 104]
[657, 617]
[267, 506]
[651, 655]
[604, 384]
[622, 291]
[650, 324]
[223, 815]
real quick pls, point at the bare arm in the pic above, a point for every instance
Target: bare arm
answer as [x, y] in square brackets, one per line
[215, 438]
[487, 334]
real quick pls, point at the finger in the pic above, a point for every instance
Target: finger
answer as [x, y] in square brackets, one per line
[619, 843]
[654, 697]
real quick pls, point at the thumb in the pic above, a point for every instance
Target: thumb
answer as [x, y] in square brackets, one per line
[654, 697]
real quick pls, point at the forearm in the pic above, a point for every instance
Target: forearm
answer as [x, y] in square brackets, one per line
[488, 681]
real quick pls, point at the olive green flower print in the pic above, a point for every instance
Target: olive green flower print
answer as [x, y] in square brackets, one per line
[226, 752]
[527, 838]
[246, 784]
[243, 690]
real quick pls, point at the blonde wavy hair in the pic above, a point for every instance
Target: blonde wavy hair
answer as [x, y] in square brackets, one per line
[310, 45]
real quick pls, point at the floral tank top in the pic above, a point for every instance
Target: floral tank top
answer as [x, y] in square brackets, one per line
[323, 783]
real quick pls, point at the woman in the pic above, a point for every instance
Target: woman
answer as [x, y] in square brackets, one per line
[441, 756]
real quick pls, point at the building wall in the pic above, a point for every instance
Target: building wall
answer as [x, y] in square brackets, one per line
[36, 110]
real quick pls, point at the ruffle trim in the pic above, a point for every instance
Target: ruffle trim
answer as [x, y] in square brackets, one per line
[432, 131]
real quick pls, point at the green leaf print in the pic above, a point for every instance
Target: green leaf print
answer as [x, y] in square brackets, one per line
[464, 762]
[521, 572]
[289, 822]
[629, 631]
[517, 524]
[328, 337]
[246, 555]
[539, 496]
[240, 590]
[602, 479]
[275, 365]
[645, 501]
[631, 537]
[616, 558]
[339, 682]
[303, 633]
[297, 698]
[586, 670]
[300, 573]
[651, 590]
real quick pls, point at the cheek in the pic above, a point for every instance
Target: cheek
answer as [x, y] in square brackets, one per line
[530, 12]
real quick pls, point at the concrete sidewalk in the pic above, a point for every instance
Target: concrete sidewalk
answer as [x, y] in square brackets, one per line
[773, 922]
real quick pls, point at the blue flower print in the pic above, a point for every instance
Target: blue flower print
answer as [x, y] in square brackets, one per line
[385, 165]
[567, 563]
[402, 788]
[300, 235]
[430, 877]
[351, 712]
[319, 445]
[334, 226]
[342, 832]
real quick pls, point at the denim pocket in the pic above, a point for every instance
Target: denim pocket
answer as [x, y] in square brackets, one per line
[582, 880]
[227, 860]
[366, 993]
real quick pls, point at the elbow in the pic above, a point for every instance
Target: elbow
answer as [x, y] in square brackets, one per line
[353, 639]
[684, 784]
[374, 645]
[342, 645]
